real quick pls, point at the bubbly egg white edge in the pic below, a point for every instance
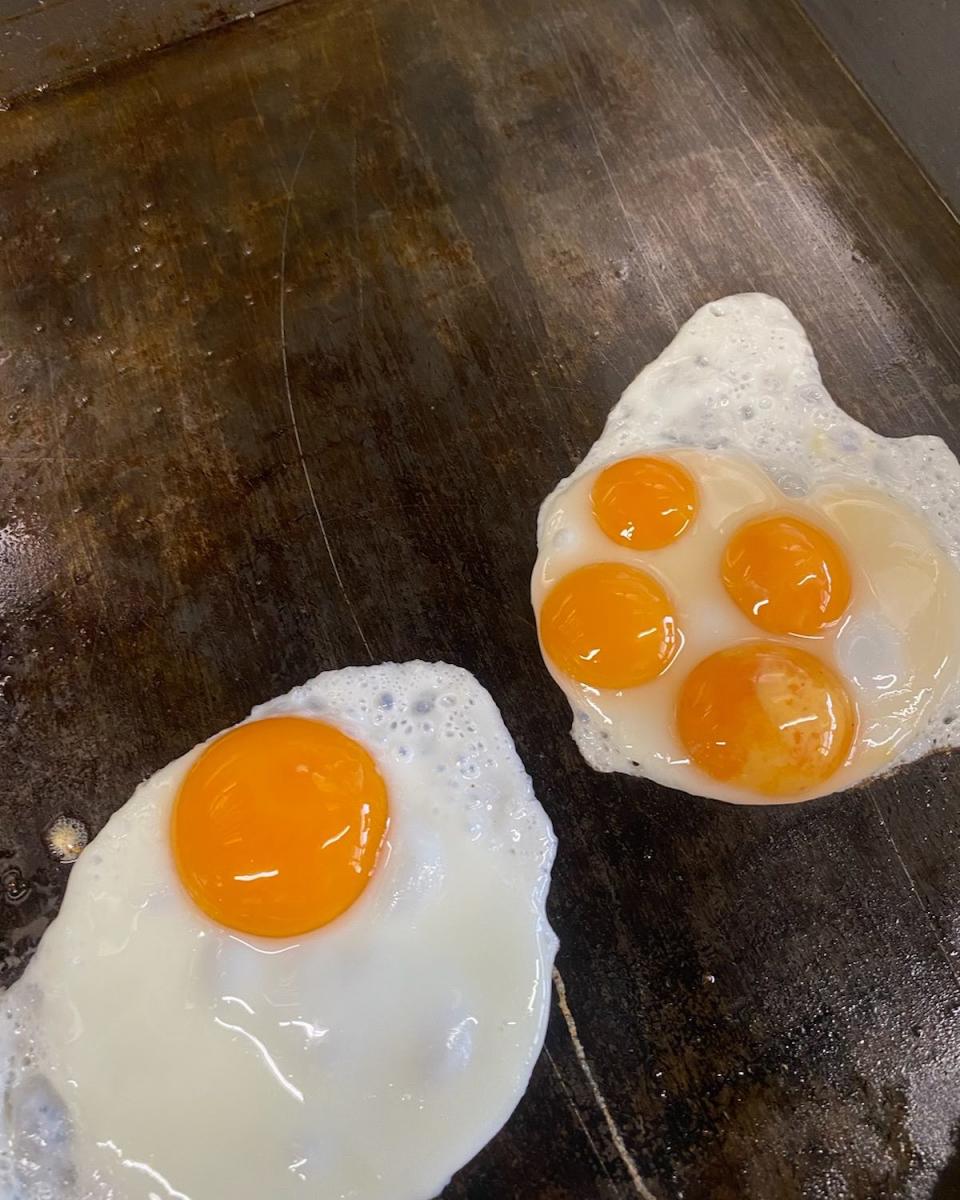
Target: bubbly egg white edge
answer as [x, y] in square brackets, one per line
[653, 415]
[324, 697]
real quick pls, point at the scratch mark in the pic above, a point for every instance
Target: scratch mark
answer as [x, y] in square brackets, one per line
[82, 542]
[615, 1135]
[377, 49]
[526, 303]
[893, 258]
[57, 438]
[263, 126]
[358, 262]
[916, 894]
[580, 1121]
[291, 191]
[623, 379]
[637, 244]
[413, 139]
[699, 63]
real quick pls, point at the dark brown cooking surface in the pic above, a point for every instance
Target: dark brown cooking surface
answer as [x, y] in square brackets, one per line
[427, 245]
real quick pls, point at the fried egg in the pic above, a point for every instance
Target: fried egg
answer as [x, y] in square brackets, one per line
[745, 593]
[310, 958]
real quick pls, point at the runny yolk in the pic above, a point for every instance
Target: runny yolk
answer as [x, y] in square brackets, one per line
[609, 625]
[645, 503]
[786, 575]
[277, 826]
[769, 718]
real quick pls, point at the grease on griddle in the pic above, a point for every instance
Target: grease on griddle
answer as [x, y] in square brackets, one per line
[66, 838]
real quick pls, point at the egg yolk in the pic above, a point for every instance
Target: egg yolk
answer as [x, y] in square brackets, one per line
[277, 826]
[769, 718]
[609, 625]
[645, 503]
[786, 575]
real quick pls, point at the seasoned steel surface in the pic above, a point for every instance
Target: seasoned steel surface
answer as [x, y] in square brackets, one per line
[298, 323]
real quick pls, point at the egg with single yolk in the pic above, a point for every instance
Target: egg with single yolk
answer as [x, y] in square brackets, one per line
[798, 626]
[310, 957]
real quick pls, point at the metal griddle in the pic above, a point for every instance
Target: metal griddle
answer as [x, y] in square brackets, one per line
[430, 243]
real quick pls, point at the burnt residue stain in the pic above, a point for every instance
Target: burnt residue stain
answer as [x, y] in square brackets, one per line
[47, 47]
[298, 325]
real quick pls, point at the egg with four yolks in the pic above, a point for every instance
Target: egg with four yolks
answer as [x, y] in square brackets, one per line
[744, 593]
[309, 958]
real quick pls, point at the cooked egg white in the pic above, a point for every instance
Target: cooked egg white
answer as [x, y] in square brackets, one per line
[737, 401]
[149, 1051]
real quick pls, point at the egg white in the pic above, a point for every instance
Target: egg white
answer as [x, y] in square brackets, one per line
[149, 1051]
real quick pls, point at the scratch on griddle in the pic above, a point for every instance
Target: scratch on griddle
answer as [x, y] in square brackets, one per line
[358, 262]
[57, 433]
[698, 62]
[263, 127]
[377, 48]
[578, 1117]
[627, 220]
[624, 379]
[81, 543]
[291, 191]
[920, 293]
[615, 1135]
[403, 123]
[916, 894]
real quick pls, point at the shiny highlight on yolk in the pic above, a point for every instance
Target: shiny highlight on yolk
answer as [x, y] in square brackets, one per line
[610, 626]
[769, 718]
[644, 503]
[277, 826]
[786, 575]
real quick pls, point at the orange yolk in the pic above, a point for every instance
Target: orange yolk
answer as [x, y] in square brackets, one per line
[770, 718]
[644, 503]
[786, 575]
[277, 826]
[609, 625]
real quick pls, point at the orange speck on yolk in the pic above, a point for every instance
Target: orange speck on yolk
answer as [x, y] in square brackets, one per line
[277, 826]
[770, 718]
[645, 503]
[609, 625]
[786, 575]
